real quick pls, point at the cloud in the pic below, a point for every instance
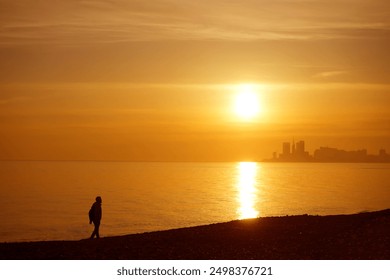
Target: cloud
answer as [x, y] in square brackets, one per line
[12, 99]
[81, 22]
[329, 74]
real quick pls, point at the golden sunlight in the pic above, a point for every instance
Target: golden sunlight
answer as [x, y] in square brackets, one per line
[247, 103]
[247, 190]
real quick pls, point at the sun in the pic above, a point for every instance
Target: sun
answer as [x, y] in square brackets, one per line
[247, 103]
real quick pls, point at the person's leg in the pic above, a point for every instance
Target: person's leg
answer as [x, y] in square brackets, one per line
[93, 233]
[95, 230]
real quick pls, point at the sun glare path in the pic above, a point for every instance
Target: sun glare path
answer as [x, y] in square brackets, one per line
[247, 103]
[247, 190]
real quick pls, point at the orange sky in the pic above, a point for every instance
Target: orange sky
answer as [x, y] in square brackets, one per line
[156, 80]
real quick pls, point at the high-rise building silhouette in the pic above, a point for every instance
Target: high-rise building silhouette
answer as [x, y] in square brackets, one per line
[286, 149]
[300, 148]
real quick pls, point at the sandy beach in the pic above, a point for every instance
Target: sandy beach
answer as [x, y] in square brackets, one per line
[357, 236]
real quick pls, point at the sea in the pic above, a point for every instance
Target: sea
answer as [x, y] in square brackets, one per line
[50, 200]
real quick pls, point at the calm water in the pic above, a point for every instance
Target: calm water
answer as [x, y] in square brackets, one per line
[50, 200]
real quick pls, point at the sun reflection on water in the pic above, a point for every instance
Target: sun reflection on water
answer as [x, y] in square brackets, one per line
[247, 190]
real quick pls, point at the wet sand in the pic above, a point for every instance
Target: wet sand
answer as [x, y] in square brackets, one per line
[358, 236]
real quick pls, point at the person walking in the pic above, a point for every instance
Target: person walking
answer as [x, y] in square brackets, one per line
[95, 215]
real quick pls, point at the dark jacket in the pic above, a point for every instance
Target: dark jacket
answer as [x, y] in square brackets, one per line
[96, 212]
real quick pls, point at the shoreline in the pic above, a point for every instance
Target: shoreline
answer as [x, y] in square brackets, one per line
[353, 236]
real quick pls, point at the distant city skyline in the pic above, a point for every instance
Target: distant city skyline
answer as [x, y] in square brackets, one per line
[295, 152]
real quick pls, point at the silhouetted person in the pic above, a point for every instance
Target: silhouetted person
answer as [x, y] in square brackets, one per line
[95, 215]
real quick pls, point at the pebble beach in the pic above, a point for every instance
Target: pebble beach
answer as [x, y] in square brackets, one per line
[359, 236]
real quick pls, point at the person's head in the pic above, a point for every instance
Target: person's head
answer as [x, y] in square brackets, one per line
[99, 199]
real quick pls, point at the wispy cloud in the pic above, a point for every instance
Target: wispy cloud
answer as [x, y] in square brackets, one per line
[330, 74]
[75, 22]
